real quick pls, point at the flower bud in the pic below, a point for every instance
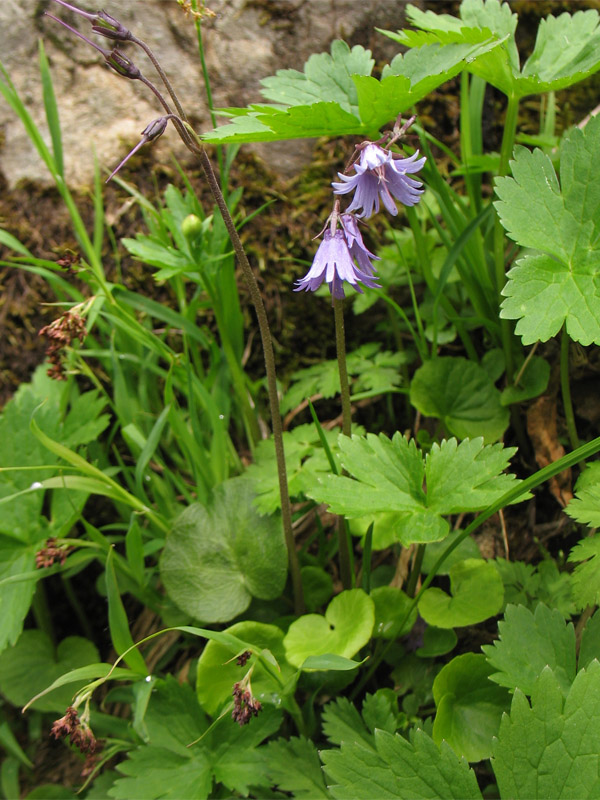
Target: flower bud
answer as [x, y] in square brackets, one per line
[122, 65]
[191, 227]
[155, 129]
[111, 28]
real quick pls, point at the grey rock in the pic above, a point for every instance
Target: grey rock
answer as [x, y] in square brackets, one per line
[100, 112]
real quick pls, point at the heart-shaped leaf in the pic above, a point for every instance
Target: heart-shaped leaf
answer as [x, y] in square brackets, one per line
[217, 558]
[469, 706]
[477, 594]
[345, 628]
[33, 664]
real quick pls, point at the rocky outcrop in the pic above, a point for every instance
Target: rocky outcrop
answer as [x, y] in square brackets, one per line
[245, 41]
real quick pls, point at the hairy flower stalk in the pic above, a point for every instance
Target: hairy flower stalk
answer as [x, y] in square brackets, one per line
[193, 144]
[379, 175]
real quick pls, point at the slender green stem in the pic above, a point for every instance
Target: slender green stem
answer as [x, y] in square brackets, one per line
[41, 611]
[193, 143]
[209, 98]
[566, 388]
[508, 141]
[340, 341]
[77, 607]
[411, 586]
[269, 356]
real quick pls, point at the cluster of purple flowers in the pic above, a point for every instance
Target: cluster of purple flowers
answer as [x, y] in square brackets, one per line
[342, 255]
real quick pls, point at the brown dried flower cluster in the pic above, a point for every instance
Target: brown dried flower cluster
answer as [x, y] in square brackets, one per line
[61, 333]
[242, 659]
[50, 553]
[245, 706]
[80, 734]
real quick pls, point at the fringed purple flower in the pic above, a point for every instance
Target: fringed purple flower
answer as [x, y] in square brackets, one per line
[342, 256]
[379, 174]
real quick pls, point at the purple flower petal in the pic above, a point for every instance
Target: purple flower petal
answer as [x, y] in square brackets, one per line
[334, 262]
[380, 176]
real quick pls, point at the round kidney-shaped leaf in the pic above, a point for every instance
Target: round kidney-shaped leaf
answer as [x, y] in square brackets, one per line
[218, 557]
[477, 593]
[345, 628]
[391, 607]
[462, 395]
[469, 706]
[33, 664]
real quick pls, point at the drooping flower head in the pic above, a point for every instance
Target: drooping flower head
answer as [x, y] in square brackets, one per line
[342, 256]
[379, 173]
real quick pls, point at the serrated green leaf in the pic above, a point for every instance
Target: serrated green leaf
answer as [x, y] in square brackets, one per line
[559, 285]
[305, 461]
[552, 748]
[345, 628]
[461, 394]
[372, 370]
[528, 585]
[565, 52]
[589, 648]
[398, 770]
[335, 95]
[476, 594]
[585, 506]
[294, 767]
[33, 663]
[389, 476]
[586, 577]
[325, 77]
[170, 766]
[380, 711]
[469, 706]
[343, 723]
[216, 558]
[467, 476]
[527, 643]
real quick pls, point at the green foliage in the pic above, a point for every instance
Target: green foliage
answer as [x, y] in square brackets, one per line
[528, 585]
[217, 558]
[217, 671]
[551, 747]
[174, 536]
[373, 371]
[476, 594]
[33, 663]
[529, 641]
[29, 514]
[226, 754]
[565, 52]
[469, 707]
[345, 628]
[556, 285]
[586, 580]
[389, 475]
[391, 606]
[335, 95]
[305, 461]
[460, 394]
[396, 768]
[294, 766]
